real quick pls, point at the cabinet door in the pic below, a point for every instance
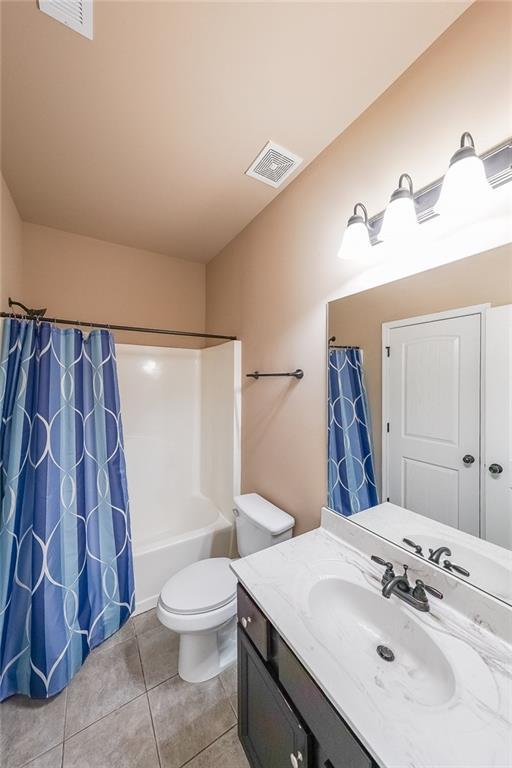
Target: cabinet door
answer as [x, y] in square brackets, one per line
[269, 730]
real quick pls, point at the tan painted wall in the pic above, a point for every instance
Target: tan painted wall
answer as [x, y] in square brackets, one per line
[271, 283]
[80, 277]
[10, 247]
[357, 320]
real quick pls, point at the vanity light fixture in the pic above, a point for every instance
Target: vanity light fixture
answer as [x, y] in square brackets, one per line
[463, 194]
[465, 190]
[356, 238]
[400, 220]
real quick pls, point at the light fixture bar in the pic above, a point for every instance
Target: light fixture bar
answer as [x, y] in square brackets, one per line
[498, 169]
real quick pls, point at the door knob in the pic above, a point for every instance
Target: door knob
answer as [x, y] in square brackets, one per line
[296, 760]
[245, 621]
[495, 469]
[468, 459]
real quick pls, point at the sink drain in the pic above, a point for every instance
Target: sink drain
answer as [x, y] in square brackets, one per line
[385, 653]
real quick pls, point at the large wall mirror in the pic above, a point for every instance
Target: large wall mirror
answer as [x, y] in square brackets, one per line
[420, 415]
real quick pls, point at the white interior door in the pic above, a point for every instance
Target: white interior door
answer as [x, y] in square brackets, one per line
[498, 427]
[433, 396]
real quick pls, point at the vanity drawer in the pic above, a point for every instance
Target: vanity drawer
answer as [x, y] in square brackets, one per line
[254, 622]
[339, 748]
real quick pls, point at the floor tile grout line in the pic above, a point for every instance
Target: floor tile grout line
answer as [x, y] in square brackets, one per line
[42, 754]
[216, 739]
[64, 693]
[149, 706]
[116, 709]
[161, 682]
[138, 696]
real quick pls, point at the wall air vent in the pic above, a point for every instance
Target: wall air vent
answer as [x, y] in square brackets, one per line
[75, 14]
[273, 165]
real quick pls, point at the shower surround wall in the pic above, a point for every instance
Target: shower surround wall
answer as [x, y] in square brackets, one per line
[181, 423]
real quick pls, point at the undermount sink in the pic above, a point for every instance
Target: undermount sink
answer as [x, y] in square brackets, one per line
[344, 616]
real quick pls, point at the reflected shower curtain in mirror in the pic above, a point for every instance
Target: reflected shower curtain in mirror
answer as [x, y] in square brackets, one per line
[66, 576]
[351, 475]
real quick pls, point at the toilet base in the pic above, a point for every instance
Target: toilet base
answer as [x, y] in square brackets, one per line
[204, 655]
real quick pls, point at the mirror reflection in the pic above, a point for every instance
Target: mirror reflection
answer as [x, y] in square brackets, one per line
[420, 415]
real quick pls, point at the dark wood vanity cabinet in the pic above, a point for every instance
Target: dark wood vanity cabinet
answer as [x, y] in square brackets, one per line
[284, 719]
[269, 729]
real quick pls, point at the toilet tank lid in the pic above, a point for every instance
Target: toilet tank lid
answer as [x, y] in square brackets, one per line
[264, 514]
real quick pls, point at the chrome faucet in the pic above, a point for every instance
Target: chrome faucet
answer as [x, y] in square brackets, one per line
[401, 587]
[436, 555]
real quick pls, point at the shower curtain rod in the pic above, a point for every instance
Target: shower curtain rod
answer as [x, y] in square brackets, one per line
[110, 326]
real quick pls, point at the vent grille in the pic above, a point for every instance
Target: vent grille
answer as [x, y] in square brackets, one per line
[273, 165]
[75, 14]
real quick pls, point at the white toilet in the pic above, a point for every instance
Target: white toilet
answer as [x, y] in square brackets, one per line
[199, 602]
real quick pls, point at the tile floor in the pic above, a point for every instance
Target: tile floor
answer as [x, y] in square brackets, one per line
[127, 708]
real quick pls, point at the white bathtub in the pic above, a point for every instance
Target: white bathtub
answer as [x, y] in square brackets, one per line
[200, 531]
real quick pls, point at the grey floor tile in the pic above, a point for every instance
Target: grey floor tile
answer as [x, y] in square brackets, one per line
[30, 727]
[229, 679]
[51, 759]
[109, 678]
[145, 622]
[159, 655]
[188, 717]
[123, 739]
[226, 752]
[125, 633]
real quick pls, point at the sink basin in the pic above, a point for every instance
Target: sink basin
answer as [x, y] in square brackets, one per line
[344, 616]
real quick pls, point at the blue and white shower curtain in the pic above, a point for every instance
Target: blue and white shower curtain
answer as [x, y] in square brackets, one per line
[351, 473]
[66, 575]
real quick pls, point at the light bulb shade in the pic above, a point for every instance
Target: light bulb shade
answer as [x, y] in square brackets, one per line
[400, 222]
[356, 238]
[465, 193]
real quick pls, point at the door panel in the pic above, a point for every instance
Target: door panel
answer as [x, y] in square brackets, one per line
[431, 490]
[433, 385]
[431, 402]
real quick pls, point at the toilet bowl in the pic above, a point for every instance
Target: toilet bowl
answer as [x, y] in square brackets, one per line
[199, 602]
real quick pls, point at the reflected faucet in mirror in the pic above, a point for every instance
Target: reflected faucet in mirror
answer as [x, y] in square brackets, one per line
[435, 555]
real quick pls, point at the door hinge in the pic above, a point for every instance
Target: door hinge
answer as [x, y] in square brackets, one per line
[388, 351]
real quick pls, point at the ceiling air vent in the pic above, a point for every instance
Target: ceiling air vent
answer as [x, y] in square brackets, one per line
[273, 165]
[75, 14]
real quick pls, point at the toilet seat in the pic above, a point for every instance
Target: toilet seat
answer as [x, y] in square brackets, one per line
[201, 587]
[202, 596]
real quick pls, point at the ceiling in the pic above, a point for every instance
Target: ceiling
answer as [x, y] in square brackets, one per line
[142, 136]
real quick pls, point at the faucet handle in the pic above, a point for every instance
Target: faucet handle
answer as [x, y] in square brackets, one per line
[421, 588]
[457, 568]
[417, 548]
[389, 573]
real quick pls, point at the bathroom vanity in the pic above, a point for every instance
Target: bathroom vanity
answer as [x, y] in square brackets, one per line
[333, 675]
[284, 718]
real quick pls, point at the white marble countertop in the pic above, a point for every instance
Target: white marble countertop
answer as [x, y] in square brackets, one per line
[466, 722]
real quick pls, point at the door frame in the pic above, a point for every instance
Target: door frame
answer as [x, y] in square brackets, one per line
[476, 309]
[490, 353]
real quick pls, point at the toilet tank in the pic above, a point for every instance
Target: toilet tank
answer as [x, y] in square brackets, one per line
[259, 524]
